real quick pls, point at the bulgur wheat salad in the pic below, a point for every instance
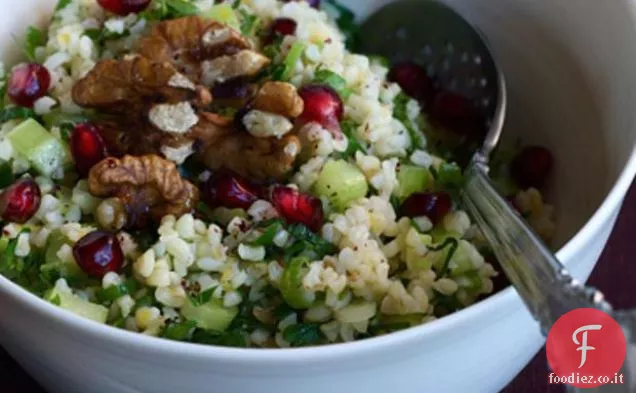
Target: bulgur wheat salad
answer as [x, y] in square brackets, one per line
[231, 173]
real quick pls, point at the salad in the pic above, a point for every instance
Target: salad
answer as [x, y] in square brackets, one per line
[232, 173]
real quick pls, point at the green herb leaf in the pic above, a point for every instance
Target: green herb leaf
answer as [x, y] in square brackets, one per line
[34, 38]
[381, 60]
[170, 9]
[283, 71]
[449, 175]
[179, 331]
[16, 112]
[400, 112]
[348, 128]
[99, 36]
[449, 178]
[270, 232]
[454, 244]
[6, 175]
[249, 22]
[333, 80]
[181, 8]
[112, 293]
[231, 338]
[56, 300]
[302, 335]
[308, 244]
[202, 297]
[144, 301]
[61, 4]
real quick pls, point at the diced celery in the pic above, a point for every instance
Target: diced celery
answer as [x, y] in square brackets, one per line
[440, 234]
[471, 281]
[65, 269]
[292, 58]
[291, 284]
[78, 306]
[4, 243]
[210, 315]
[412, 179]
[45, 152]
[223, 13]
[223, 215]
[461, 262]
[342, 183]
[356, 312]
[56, 117]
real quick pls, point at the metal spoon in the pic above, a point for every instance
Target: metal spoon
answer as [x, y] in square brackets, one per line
[456, 54]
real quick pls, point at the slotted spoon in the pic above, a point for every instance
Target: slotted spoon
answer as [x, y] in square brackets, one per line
[458, 59]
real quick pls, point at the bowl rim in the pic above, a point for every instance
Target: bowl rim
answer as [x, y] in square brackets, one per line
[328, 352]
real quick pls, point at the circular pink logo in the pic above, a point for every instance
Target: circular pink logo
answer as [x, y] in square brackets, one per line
[586, 348]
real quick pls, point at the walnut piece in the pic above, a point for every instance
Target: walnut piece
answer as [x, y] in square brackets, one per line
[252, 157]
[266, 125]
[245, 63]
[148, 186]
[280, 98]
[187, 41]
[152, 105]
[130, 86]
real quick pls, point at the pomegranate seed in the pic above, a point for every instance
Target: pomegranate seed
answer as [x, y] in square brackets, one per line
[88, 147]
[457, 114]
[323, 106]
[233, 89]
[226, 189]
[20, 201]
[98, 253]
[298, 208]
[413, 79]
[433, 205]
[532, 167]
[124, 7]
[280, 28]
[27, 83]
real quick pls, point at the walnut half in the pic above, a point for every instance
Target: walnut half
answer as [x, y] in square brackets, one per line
[148, 186]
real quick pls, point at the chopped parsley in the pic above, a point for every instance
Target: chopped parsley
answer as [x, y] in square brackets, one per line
[454, 244]
[179, 331]
[271, 229]
[308, 244]
[201, 298]
[400, 112]
[170, 9]
[348, 128]
[303, 334]
[230, 338]
[6, 175]
[16, 112]
[34, 38]
[450, 178]
[24, 271]
[333, 80]
[114, 292]
[99, 36]
[282, 71]
[249, 22]
[61, 4]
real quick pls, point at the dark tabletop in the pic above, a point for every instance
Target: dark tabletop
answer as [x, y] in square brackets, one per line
[534, 379]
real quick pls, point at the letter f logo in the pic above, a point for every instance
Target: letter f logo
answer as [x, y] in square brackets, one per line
[583, 345]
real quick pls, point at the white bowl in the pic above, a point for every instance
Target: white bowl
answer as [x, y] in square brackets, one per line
[569, 65]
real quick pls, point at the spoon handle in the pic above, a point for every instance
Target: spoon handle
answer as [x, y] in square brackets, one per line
[541, 280]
